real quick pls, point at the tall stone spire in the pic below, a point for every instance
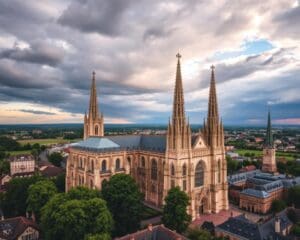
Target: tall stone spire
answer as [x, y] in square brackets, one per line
[93, 123]
[213, 129]
[93, 110]
[269, 136]
[178, 130]
[269, 151]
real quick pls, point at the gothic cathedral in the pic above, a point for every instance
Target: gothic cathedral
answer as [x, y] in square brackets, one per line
[194, 162]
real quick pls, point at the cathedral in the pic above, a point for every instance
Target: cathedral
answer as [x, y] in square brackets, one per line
[194, 162]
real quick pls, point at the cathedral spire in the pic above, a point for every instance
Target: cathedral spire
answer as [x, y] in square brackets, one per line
[93, 111]
[213, 104]
[178, 130]
[269, 137]
[178, 104]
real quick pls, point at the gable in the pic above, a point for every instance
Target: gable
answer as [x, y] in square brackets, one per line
[199, 142]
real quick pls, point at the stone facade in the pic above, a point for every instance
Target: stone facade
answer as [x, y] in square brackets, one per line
[194, 162]
[22, 165]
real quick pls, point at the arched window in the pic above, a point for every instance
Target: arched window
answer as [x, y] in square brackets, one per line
[172, 170]
[96, 130]
[103, 166]
[184, 170]
[153, 188]
[118, 166]
[199, 174]
[80, 162]
[129, 160]
[92, 166]
[219, 171]
[153, 169]
[91, 183]
[143, 162]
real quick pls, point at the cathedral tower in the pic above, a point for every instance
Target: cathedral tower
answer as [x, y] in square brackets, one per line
[269, 159]
[93, 122]
[179, 132]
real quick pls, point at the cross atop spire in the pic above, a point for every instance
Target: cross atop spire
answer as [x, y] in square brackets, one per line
[178, 56]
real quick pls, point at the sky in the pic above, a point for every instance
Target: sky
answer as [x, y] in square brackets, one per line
[49, 48]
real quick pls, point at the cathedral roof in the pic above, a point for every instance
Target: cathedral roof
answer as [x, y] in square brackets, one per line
[124, 142]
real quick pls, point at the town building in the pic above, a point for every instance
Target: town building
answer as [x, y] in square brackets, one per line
[194, 162]
[159, 232]
[241, 227]
[255, 190]
[18, 228]
[22, 165]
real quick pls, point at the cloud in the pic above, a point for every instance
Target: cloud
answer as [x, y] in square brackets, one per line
[36, 112]
[39, 53]
[104, 17]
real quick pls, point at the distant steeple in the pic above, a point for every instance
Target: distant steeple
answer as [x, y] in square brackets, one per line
[269, 136]
[93, 111]
[93, 122]
[178, 129]
[213, 103]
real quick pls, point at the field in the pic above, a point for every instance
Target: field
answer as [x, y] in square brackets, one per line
[13, 153]
[48, 141]
[258, 153]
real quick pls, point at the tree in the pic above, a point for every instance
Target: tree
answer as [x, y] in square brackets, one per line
[198, 234]
[76, 214]
[103, 236]
[175, 210]
[4, 167]
[294, 196]
[60, 182]
[39, 194]
[125, 203]
[14, 202]
[278, 206]
[56, 159]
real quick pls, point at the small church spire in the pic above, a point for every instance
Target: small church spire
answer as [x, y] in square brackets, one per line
[93, 111]
[269, 136]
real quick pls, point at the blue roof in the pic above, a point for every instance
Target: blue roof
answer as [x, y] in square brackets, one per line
[96, 143]
[155, 143]
[255, 193]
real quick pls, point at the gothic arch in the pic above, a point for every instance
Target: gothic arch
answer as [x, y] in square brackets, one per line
[118, 163]
[103, 166]
[199, 174]
[153, 169]
[96, 130]
[92, 166]
[143, 162]
[219, 171]
[172, 170]
[184, 170]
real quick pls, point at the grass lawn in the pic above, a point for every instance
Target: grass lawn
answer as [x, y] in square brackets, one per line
[150, 213]
[259, 153]
[14, 153]
[48, 141]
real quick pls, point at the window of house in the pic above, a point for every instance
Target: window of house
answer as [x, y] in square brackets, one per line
[103, 166]
[118, 165]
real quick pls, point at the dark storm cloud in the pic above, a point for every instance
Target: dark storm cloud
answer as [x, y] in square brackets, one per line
[39, 52]
[288, 22]
[36, 112]
[104, 17]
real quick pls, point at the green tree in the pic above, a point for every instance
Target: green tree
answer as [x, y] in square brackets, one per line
[14, 202]
[4, 167]
[56, 159]
[103, 236]
[125, 203]
[175, 214]
[294, 196]
[75, 214]
[198, 234]
[278, 206]
[60, 182]
[39, 194]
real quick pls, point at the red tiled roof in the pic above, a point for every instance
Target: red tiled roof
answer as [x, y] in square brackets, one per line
[11, 228]
[51, 171]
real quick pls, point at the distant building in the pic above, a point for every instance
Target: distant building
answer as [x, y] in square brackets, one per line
[194, 162]
[22, 165]
[51, 171]
[255, 190]
[159, 232]
[18, 228]
[241, 228]
[232, 154]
